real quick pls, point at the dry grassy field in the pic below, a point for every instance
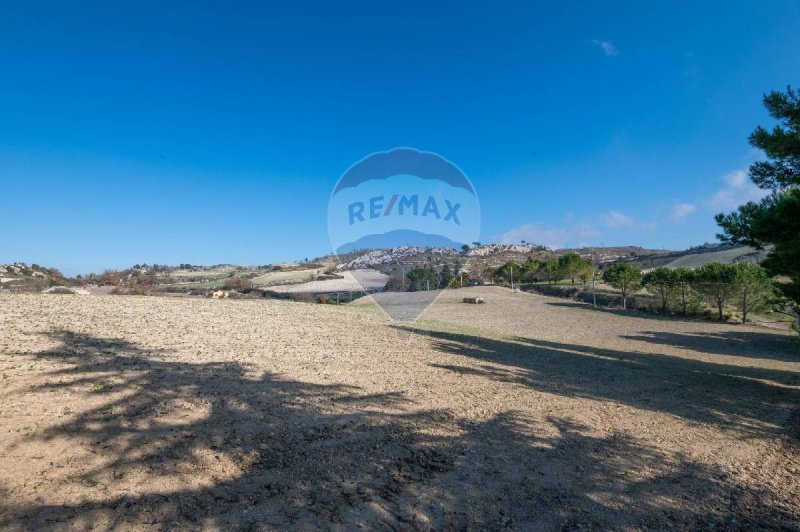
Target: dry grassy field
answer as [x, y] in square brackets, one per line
[524, 413]
[351, 281]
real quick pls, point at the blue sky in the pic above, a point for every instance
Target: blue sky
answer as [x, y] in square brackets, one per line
[207, 133]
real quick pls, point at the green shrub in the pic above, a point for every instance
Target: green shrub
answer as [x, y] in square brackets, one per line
[61, 290]
[130, 291]
[328, 277]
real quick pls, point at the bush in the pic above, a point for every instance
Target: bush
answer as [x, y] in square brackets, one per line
[237, 283]
[110, 277]
[556, 290]
[302, 297]
[130, 291]
[61, 290]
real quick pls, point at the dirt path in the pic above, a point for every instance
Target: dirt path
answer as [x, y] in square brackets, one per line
[524, 413]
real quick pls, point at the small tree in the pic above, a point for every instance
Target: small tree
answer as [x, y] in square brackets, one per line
[684, 278]
[715, 282]
[446, 276]
[586, 272]
[110, 277]
[509, 269]
[551, 271]
[753, 288]
[423, 279]
[662, 281]
[625, 277]
[531, 270]
[460, 280]
[487, 275]
[572, 265]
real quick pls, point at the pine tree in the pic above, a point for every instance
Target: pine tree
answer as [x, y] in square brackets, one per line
[775, 220]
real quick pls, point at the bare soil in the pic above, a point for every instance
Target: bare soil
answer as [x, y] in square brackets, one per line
[524, 413]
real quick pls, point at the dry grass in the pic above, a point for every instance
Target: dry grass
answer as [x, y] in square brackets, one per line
[526, 412]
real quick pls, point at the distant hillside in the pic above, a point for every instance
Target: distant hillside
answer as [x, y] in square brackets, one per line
[399, 238]
[334, 269]
[407, 255]
[737, 254]
[479, 258]
[698, 256]
[24, 277]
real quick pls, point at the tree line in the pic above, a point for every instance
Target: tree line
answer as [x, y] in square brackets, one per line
[569, 266]
[745, 286]
[430, 277]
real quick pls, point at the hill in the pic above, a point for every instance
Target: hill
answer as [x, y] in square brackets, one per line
[331, 273]
[731, 255]
[696, 257]
[20, 276]
[478, 258]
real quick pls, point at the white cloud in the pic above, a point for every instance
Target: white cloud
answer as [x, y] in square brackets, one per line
[608, 48]
[736, 178]
[616, 219]
[573, 233]
[681, 210]
[649, 226]
[549, 236]
[738, 190]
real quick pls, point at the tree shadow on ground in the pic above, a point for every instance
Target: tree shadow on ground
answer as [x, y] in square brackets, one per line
[755, 402]
[219, 445]
[748, 344]
[629, 313]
